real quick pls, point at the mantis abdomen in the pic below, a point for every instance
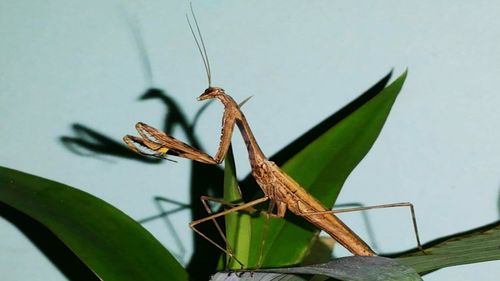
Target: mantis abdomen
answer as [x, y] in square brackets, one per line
[288, 194]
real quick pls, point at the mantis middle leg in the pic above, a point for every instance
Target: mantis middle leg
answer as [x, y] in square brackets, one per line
[193, 224]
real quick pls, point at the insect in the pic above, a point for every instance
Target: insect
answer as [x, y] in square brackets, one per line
[282, 191]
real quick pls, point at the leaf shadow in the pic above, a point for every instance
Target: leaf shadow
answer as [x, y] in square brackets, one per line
[366, 220]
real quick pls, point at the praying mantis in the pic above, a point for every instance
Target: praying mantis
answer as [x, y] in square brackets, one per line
[280, 190]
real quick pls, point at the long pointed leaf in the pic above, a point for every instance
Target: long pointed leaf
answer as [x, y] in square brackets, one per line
[321, 166]
[236, 223]
[474, 246]
[110, 243]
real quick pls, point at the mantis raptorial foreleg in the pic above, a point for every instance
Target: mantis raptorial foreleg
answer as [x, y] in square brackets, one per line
[158, 144]
[383, 206]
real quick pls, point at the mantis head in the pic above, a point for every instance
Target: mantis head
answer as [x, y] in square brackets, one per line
[212, 92]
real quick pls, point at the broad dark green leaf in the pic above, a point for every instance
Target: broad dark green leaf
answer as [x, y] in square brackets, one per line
[354, 268]
[110, 243]
[321, 166]
[474, 246]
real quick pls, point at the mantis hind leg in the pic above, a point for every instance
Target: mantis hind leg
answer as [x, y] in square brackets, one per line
[383, 206]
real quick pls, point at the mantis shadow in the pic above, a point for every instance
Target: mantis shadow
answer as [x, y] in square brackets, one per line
[164, 215]
[91, 143]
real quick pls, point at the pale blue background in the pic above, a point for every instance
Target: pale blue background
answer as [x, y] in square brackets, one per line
[63, 62]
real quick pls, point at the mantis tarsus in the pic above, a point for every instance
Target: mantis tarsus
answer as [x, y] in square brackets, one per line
[282, 192]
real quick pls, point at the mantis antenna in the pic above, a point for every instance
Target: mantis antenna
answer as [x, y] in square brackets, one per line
[201, 47]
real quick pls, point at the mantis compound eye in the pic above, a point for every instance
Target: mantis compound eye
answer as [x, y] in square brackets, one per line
[210, 93]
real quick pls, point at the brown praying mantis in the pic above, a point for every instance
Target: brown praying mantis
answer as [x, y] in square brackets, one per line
[282, 192]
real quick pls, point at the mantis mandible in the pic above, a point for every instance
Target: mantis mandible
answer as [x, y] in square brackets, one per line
[282, 192]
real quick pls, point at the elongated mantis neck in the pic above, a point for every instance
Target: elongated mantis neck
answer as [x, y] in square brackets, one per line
[255, 154]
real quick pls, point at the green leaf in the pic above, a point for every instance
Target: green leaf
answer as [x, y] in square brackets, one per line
[474, 246]
[348, 269]
[236, 222]
[334, 155]
[321, 163]
[255, 276]
[110, 243]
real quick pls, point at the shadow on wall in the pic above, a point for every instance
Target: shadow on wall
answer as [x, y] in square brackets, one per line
[90, 143]
[498, 203]
[164, 215]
